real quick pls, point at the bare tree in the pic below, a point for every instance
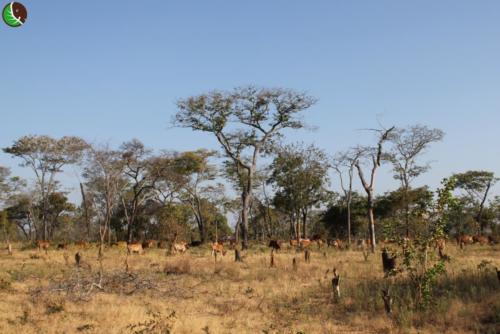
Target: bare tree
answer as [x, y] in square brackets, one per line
[374, 157]
[408, 144]
[245, 122]
[345, 162]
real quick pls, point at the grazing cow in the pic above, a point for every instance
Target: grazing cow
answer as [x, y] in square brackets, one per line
[480, 239]
[149, 243]
[218, 248]
[42, 244]
[179, 247]
[335, 243]
[304, 243]
[134, 248]
[275, 244]
[388, 262]
[62, 246]
[463, 240]
[319, 242]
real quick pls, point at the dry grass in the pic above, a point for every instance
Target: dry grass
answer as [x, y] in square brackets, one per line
[190, 293]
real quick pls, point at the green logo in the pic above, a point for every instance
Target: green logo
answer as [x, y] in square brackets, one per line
[14, 14]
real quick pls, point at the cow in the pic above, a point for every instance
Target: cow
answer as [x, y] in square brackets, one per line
[304, 243]
[275, 244]
[318, 240]
[179, 247]
[218, 248]
[149, 243]
[463, 240]
[62, 246]
[294, 243]
[134, 248]
[480, 239]
[42, 244]
[335, 243]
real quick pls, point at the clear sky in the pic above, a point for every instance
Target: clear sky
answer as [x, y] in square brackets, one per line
[112, 70]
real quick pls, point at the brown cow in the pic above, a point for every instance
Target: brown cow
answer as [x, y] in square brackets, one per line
[42, 244]
[463, 240]
[304, 243]
[218, 248]
[480, 239]
[275, 244]
[135, 248]
[335, 243]
[294, 242]
[179, 247]
[62, 246]
[149, 243]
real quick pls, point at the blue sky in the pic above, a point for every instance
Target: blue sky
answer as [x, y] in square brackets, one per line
[109, 71]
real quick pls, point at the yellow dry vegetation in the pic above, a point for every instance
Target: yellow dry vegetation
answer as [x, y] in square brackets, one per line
[189, 293]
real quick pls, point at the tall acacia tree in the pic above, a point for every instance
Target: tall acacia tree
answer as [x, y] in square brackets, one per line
[245, 121]
[408, 144]
[373, 156]
[47, 156]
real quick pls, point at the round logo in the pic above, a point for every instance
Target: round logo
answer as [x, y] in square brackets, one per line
[14, 14]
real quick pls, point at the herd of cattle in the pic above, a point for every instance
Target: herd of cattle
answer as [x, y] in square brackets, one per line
[223, 244]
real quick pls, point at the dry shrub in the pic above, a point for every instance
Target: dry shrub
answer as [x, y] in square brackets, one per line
[156, 324]
[179, 266]
[54, 304]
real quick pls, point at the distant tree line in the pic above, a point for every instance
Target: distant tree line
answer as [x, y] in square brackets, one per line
[283, 189]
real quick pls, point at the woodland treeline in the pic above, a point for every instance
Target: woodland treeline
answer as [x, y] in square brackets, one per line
[283, 190]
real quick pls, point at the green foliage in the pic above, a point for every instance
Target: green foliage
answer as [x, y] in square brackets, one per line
[416, 257]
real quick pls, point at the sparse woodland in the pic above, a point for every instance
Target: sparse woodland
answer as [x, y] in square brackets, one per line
[309, 259]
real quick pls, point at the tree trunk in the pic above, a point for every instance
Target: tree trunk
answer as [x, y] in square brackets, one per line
[85, 211]
[371, 222]
[246, 199]
[349, 222]
[304, 222]
[481, 208]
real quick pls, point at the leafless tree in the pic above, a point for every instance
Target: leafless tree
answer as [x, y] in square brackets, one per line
[373, 156]
[345, 162]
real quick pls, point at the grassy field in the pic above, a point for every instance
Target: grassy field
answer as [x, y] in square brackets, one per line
[189, 293]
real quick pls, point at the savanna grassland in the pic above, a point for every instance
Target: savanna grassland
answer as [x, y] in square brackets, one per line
[189, 293]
